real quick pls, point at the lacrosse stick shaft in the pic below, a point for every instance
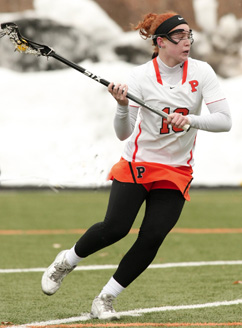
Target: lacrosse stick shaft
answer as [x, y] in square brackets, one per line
[106, 83]
[24, 45]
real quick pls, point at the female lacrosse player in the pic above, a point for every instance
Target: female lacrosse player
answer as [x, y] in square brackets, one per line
[156, 165]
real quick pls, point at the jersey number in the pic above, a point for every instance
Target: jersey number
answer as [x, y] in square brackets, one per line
[165, 128]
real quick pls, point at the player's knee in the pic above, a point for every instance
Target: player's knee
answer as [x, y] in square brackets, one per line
[152, 240]
[116, 232]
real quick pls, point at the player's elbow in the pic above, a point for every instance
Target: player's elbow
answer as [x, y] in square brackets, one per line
[122, 136]
[228, 124]
[225, 122]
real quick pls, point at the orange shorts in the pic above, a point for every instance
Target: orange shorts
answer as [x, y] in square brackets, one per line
[153, 175]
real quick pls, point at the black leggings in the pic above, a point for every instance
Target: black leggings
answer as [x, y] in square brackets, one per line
[163, 208]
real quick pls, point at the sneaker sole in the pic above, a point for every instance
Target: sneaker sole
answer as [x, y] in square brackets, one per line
[113, 316]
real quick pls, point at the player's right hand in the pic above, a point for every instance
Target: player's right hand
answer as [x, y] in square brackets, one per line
[119, 92]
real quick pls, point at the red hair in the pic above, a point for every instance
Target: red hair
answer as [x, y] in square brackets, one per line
[151, 21]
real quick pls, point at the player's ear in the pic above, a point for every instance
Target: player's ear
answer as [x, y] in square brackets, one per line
[160, 42]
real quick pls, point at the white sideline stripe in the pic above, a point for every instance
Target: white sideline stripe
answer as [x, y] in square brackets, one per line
[114, 266]
[137, 312]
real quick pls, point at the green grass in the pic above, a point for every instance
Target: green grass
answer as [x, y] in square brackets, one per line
[21, 299]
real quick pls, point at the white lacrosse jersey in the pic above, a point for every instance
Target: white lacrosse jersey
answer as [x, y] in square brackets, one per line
[152, 139]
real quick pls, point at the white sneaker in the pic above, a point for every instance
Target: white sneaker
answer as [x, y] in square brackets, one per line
[102, 308]
[55, 273]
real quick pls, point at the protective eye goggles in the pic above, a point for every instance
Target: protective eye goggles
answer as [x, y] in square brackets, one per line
[175, 36]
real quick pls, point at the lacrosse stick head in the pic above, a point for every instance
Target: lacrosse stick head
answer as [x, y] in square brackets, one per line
[22, 44]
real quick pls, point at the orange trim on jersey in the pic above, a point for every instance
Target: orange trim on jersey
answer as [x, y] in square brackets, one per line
[191, 152]
[215, 101]
[157, 71]
[136, 142]
[191, 155]
[185, 67]
[159, 175]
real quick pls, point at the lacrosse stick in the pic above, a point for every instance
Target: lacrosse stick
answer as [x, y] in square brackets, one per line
[26, 46]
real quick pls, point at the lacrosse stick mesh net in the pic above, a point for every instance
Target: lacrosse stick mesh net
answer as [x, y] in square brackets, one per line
[21, 44]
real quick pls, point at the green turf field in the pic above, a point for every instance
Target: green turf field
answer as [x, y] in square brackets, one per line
[35, 226]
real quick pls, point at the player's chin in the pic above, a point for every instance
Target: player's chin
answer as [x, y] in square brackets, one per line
[185, 55]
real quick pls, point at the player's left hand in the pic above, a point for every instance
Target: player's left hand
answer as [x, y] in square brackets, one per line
[177, 120]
